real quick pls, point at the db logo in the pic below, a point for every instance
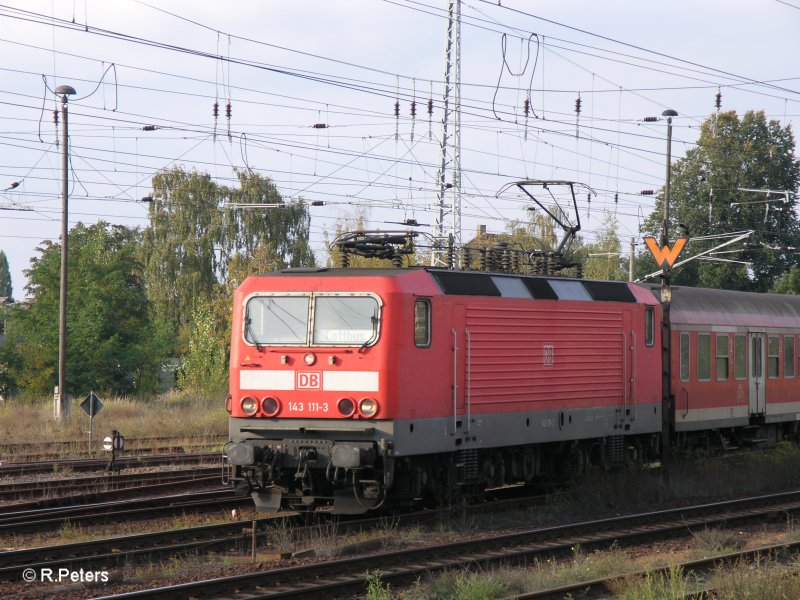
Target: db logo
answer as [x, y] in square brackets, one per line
[308, 381]
[548, 355]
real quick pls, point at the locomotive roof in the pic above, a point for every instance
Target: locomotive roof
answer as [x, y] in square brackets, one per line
[480, 283]
[724, 307]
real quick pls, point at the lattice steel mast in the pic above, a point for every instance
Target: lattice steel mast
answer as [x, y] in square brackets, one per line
[452, 86]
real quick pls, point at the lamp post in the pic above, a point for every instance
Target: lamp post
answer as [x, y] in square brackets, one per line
[61, 399]
[666, 298]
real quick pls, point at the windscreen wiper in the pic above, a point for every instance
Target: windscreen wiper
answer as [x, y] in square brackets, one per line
[248, 333]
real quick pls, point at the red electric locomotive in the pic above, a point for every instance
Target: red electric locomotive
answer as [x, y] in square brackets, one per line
[352, 386]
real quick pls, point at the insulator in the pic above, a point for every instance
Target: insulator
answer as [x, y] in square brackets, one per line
[466, 258]
[514, 261]
[317, 202]
[397, 108]
[578, 105]
[430, 107]
[55, 117]
[647, 192]
[215, 109]
[489, 260]
[451, 255]
[718, 100]
[650, 119]
[149, 128]
[482, 259]
[505, 261]
[589, 198]
[526, 107]
[228, 110]
[397, 260]
[551, 264]
[616, 198]
[413, 109]
[319, 126]
[344, 258]
[579, 271]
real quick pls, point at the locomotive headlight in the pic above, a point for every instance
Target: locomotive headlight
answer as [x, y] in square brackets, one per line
[346, 407]
[368, 407]
[249, 405]
[270, 406]
[309, 359]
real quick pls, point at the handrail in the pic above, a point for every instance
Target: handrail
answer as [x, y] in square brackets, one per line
[455, 380]
[624, 373]
[633, 378]
[468, 377]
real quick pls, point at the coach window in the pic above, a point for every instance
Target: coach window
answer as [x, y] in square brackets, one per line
[723, 354]
[788, 356]
[684, 357]
[740, 357]
[422, 323]
[773, 360]
[703, 357]
[649, 326]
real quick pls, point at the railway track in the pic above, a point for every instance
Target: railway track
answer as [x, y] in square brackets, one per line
[30, 520]
[16, 469]
[697, 570]
[57, 449]
[397, 568]
[55, 490]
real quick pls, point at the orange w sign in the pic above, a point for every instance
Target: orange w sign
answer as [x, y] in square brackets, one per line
[666, 256]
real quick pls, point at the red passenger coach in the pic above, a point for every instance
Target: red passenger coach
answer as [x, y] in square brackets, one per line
[353, 387]
[735, 372]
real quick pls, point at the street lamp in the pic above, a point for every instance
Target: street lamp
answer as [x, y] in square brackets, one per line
[666, 297]
[61, 401]
[669, 113]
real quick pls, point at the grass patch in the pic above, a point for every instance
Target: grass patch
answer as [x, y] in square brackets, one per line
[762, 580]
[171, 415]
[668, 585]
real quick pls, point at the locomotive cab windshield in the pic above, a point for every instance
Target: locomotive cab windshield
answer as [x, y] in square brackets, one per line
[312, 320]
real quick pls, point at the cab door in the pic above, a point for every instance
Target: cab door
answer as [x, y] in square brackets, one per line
[626, 407]
[458, 367]
[758, 401]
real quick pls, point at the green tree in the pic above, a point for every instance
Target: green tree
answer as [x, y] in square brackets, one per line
[191, 238]
[5, 277]
[205, 364]
[108, 330]
[603, 259]
[789, 283]
[707, 197]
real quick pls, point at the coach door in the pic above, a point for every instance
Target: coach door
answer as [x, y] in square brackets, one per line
[757, 363]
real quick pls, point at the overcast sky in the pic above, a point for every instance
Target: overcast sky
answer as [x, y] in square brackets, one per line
[288, 65]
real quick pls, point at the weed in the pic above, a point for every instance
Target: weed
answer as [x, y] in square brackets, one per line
[761, 580]
[376, 589]
[69, 532]
[673, 583]
[280, 535]
[718, 541]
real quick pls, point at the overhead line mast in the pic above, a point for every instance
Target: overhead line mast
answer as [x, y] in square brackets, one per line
[452, 86]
